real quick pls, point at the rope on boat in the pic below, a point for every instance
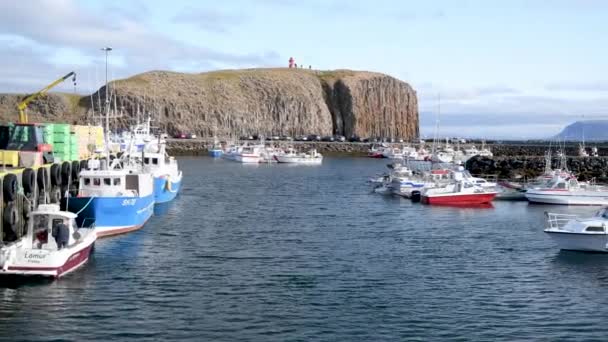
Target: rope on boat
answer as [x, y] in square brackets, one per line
[86, 205]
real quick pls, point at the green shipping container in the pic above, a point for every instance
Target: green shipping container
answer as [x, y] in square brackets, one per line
[61, 128]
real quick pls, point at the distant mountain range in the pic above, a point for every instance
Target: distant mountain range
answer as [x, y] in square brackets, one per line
[588, 130]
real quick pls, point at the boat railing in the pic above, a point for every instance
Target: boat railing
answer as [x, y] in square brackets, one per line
[557, 221]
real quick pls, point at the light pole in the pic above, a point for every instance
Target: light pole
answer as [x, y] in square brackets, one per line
[107, 49]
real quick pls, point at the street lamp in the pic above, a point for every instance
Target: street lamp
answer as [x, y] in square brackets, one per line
[107, 49]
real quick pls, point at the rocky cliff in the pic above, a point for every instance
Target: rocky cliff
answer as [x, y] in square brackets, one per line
[237, 102]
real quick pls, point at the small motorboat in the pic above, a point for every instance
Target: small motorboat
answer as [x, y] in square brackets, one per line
[571, 232]
[566, 190]
[460, 192]
[376, 151]
[52, 247]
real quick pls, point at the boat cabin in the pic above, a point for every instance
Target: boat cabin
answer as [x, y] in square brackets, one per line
[107, 183]
[559, 183]
[51, 229]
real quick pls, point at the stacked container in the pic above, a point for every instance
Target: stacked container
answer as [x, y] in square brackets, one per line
[88, 138]
[61, 141]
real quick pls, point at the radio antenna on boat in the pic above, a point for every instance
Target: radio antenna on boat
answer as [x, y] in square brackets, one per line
[433, 150]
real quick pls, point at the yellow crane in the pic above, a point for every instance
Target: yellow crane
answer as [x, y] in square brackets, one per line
[23, 104]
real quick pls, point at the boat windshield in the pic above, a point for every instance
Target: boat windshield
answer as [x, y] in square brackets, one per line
[41, 222]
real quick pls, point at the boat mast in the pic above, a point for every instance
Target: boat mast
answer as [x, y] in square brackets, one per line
[433, 150]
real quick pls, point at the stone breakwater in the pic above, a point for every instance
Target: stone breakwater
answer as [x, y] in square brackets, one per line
[200, 147]
[586, 168]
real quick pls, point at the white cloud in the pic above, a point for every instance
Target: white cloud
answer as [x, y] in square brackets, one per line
[45, 31]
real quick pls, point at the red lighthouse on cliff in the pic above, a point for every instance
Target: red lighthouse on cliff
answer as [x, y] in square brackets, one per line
[291, 62]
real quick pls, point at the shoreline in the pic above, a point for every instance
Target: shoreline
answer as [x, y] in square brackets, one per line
[199, 147]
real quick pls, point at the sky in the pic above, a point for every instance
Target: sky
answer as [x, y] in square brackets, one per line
[491, 69]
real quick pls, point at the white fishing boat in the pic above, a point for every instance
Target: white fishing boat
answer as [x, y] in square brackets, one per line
[290, 156]
[248, 154]
[230, 152]
[568, 191]
[404, 182]
[268, 154]
[571, 232]
[52, 247]
[392, 153]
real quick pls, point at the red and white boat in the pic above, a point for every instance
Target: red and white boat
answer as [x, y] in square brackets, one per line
[52, 247]
[461, 192]
[376, 152]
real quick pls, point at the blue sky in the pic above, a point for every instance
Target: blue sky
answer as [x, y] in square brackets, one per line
[503, 68]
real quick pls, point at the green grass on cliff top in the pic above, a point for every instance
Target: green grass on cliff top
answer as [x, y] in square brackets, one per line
[234, 74]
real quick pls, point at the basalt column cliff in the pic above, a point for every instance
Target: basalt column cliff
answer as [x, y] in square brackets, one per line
[258, 101]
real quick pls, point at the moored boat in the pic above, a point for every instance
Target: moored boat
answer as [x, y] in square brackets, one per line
[116, 200]
[248, 155]
[52, 247]
[461, 192]
[571, 232]
[166, 173]
[290, 156]
[564, 189]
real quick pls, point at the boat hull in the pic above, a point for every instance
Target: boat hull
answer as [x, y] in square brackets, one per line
[298, 160]
[566, 198]
[247, 159]
[579, 241]
[458, 199]
[215, 153]
[165, 189]
[112, 215]
[49, 265]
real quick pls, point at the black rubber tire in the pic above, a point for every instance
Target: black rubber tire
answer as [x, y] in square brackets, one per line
[66, 172]
[41, 178]
[55, 174]
[10, 216]
[84, 164]
[9, 187]
[28, 181]
[75, 171]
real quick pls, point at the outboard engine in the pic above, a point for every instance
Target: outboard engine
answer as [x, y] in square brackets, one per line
[416, 196]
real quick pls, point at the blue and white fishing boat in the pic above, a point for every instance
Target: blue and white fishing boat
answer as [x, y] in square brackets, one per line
[165, 170]
[216, 150]
[116, 200]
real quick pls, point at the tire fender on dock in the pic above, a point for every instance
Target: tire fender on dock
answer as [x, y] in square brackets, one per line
[9, 187]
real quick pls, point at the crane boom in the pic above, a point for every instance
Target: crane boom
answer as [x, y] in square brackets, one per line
[23, 104]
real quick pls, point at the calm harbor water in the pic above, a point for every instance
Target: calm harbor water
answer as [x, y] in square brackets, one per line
[275, 252]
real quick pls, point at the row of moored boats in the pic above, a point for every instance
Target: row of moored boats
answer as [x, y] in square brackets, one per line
[116, 194]
[262, 153]
[456, 186]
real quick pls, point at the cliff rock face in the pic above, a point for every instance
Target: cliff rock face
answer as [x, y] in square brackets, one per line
[253, 101]
[54, 107]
